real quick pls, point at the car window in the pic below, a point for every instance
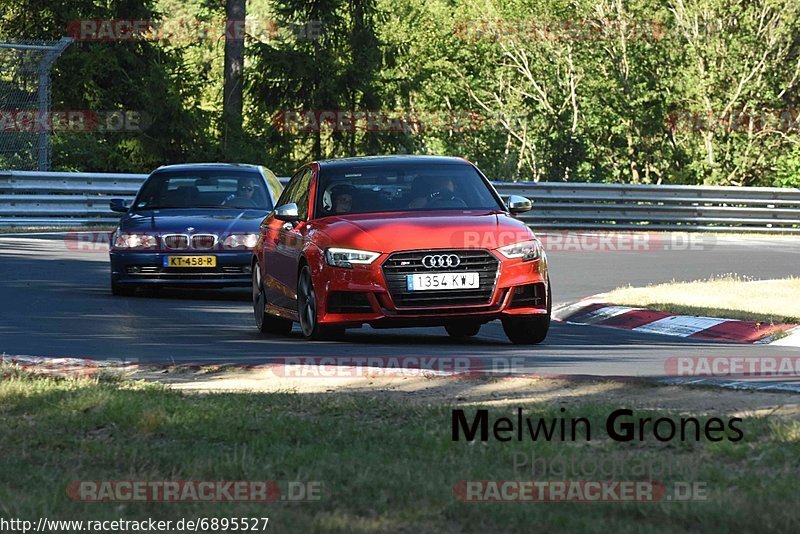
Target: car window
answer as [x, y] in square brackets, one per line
[204, 188]
[392, 188]
[297, 191]
[275, 186]
[303, 190]
[288, 193]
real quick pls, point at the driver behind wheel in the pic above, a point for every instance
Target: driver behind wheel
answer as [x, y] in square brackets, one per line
[440, 187]
[245, 194]
[342, 198]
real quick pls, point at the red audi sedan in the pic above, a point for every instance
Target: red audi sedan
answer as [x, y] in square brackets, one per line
[396, 241]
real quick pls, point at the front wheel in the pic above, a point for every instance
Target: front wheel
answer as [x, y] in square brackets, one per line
[307, 310]
[266, 323]
[529, 329]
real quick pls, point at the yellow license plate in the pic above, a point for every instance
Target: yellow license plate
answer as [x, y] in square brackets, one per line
[190, 261]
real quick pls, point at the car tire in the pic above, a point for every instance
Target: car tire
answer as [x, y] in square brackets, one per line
[529, 329]
[526, 330]
[266, 323]
[119, 290]
[310, 327]
[462, 330]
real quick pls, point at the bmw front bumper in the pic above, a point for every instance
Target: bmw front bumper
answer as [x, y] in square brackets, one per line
[233, 269]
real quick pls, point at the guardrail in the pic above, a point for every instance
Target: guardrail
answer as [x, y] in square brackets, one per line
[29, 198]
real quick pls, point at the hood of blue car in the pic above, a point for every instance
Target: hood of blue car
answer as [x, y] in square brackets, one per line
[195, 221]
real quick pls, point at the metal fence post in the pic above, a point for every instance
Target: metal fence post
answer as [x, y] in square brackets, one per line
[45, 66]
[48, 55]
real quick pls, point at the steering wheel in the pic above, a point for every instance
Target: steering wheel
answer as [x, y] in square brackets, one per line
[240, 202]
[450, 199]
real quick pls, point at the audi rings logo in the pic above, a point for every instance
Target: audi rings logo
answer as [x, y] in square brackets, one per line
[440, 261]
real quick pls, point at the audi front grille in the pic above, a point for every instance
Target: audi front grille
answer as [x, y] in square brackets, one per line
[400, 264]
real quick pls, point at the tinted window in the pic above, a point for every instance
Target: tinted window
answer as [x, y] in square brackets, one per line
[291, 187]
[297, 192]
[391, 188]
[204, 189]
[273, 183]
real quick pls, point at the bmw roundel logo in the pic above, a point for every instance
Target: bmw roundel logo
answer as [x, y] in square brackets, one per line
[439, 261]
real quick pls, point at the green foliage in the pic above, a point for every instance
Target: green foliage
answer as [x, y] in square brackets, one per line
[787, 169]
[144, 77]
[643, 91]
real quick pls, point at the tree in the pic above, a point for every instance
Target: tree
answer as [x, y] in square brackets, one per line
[330, 61]
[235, 14]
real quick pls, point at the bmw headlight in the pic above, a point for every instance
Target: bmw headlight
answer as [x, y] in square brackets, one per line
[346, 257]
[241, 241]
[135, 241]
[527, 250]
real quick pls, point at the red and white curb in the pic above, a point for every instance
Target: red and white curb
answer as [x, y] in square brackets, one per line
[594, 311]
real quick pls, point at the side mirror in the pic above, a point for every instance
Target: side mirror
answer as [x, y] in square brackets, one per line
[518, 204]
[287, 213]
[119, 205]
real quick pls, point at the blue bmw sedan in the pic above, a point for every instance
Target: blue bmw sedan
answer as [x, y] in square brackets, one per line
[191, 225]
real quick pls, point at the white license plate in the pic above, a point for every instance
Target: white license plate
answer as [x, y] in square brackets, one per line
[439, 281]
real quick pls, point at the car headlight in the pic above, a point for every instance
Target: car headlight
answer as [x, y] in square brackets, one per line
[241, 241]
[527, 250]
[346, 257]
[136, 241]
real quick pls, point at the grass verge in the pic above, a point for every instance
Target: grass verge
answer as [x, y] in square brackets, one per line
[729, 297]
[386, 465]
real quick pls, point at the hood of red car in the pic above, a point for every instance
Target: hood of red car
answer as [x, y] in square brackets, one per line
[389, 232]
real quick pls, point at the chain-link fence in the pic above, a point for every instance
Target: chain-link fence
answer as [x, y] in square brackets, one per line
[25, 119]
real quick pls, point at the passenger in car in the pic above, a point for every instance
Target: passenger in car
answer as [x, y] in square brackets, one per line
[183, 196]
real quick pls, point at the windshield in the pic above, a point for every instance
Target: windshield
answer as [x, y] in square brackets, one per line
[392, 188]
[204, 189]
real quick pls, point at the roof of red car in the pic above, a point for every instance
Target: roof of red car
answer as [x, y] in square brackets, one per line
[382, 160]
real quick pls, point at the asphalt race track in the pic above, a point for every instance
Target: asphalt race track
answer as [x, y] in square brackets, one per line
[55, 302]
